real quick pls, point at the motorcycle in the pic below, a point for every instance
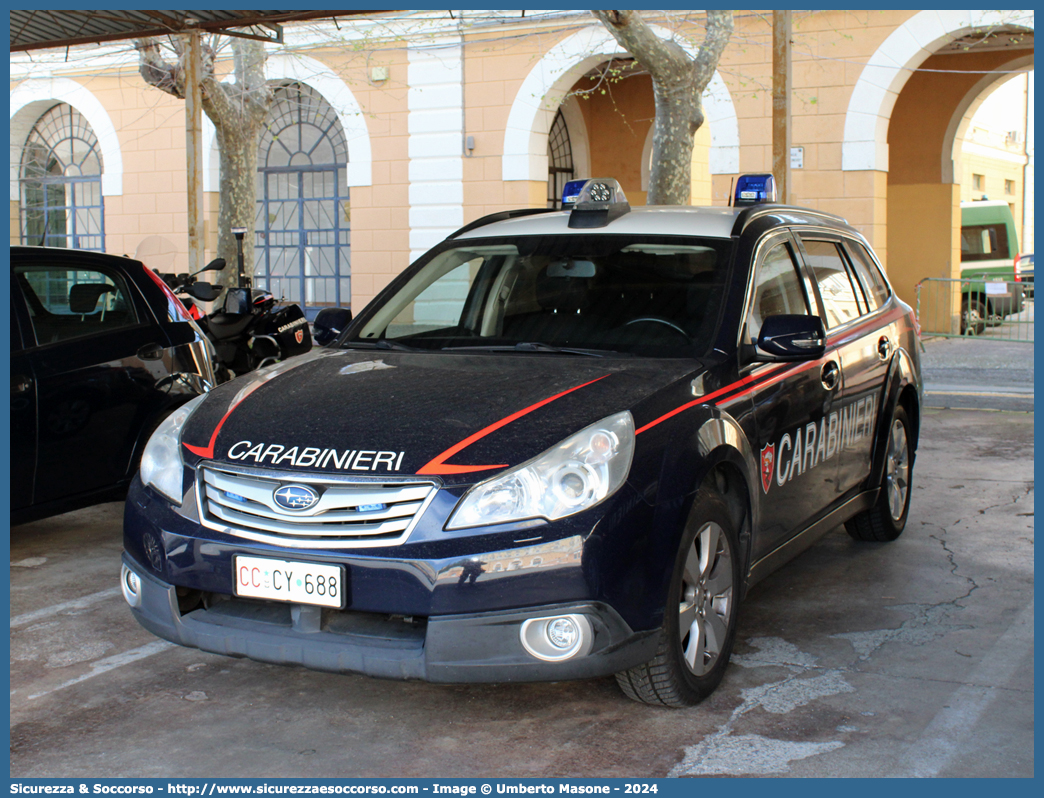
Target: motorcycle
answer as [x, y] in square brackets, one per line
[250, 329]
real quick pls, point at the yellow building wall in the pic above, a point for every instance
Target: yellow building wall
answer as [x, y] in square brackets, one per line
[829, 51]
[924, 240]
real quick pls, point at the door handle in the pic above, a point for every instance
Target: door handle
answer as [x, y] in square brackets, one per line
[830, 375]
[20, 383]
[151, 352]
[884, 348]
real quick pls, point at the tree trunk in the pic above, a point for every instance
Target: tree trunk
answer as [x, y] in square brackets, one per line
[678, 85]
[238, 111]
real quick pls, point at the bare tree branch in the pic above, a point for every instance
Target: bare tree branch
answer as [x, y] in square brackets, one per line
[678, 83]
[238, 111]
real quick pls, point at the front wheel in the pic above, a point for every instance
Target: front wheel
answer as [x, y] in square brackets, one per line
[700, 617]
[887, 518]
[973, 316]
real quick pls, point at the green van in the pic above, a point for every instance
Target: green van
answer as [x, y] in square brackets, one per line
[989, 261]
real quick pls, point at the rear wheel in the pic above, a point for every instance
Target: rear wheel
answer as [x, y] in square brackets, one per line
[700, 618]
[887, 518]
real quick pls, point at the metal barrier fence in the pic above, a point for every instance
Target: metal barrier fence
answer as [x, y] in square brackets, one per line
[992, 310]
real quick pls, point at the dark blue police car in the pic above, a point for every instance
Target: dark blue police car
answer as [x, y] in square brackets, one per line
[562, 444]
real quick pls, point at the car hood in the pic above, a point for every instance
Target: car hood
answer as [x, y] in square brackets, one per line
[460, 417]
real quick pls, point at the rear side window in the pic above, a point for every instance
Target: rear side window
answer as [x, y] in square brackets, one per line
[67, 303]
[842, 302]
[984, 242]
[875, 288]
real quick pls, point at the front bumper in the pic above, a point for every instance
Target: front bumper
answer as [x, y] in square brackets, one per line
[442, 607]
[463, 648]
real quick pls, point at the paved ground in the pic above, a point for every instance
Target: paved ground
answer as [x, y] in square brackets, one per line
[978, 372]
[910, 658]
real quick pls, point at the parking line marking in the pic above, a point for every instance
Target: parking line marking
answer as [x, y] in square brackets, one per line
[982, 393]
[110, 663]
[940, 741]
[74, 604]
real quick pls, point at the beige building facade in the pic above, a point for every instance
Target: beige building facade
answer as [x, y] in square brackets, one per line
[389, 134]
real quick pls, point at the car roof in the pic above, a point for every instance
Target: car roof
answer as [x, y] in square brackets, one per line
[71, 254]
[669, 220]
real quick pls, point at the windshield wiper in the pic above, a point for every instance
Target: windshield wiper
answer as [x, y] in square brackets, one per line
[534, 346]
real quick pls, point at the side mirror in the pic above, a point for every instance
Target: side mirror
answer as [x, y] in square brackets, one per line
[216, 265]
[330, 323]
[787, 337]
[204, 292]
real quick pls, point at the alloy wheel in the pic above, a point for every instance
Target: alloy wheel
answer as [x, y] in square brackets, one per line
[706, 599]
[897, 474]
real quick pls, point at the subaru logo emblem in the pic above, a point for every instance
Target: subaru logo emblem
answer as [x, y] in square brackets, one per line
[295, 497]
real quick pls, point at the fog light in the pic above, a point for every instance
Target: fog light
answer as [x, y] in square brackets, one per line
[131, 585]
[557, 638]
[562, 633]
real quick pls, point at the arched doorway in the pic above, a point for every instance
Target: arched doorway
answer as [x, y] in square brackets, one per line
[905, 114]
[554, 78]
[60, 179]
[924, 132]
[303, 250]
[560, 167]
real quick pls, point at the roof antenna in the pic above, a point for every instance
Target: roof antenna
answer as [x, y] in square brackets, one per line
[731, 181]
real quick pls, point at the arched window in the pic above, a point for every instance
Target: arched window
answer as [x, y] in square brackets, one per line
[61, 183]
[302, 251]
[559, 161]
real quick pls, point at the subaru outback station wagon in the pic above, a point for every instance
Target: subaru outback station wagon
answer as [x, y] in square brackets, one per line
[560, 445]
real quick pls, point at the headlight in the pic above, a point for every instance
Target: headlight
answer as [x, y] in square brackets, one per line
[161, 465]
[573, 476]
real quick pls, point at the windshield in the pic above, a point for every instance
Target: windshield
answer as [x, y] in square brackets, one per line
[657, 296]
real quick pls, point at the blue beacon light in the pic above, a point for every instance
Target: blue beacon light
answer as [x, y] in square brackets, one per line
[754, 190]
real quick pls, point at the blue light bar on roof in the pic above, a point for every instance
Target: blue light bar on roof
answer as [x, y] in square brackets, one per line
[571, 192]
[754, 189]
[599, 191]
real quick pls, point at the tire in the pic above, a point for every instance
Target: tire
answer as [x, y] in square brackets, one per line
[993, 318]
[699, 625]
[887, 518]
[973, 317]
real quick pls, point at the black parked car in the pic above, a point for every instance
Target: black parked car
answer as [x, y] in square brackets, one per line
[562, 444]
[101, 352]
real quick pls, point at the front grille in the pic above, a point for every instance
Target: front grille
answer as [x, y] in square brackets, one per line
[350, 513]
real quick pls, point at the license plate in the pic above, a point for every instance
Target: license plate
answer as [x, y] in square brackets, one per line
[287, 580]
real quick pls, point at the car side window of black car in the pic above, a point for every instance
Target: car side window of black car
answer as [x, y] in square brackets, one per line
[874, 286]
[842, 301]
[66, 303]
[777, 290]
[16, 330]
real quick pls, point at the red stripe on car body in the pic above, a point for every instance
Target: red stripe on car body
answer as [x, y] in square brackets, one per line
[707, 399]
[438, 465]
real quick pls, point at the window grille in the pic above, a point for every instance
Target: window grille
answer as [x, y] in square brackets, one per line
[60, 175]
[559, 161]
[303, 252]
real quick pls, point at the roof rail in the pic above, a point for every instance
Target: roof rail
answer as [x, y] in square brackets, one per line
[752, 212]
[500, 216]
